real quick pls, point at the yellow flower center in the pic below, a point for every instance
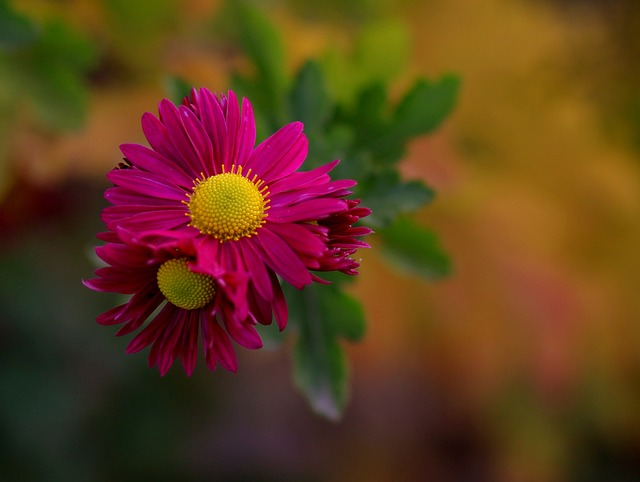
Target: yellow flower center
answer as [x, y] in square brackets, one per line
[228, 205]
[184, 288]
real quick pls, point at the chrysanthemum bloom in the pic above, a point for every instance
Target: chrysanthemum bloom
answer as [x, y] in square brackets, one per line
[161, 274]
[249, 207]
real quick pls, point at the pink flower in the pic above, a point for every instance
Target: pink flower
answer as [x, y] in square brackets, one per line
[163, 274]
[250, 208]
[204, 224]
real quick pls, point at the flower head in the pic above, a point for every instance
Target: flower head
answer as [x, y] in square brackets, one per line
[246, 210]
[178, 302]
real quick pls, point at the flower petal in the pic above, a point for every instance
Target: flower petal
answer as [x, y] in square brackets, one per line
[149, 160]
[282, 259]
[217, 346]
[306, 211]
[280, 308]
[255, 265]
[280, 154]
[146, 183]
[152, 331]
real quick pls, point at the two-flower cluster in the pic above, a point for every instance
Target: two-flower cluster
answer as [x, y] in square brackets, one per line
[203, 225]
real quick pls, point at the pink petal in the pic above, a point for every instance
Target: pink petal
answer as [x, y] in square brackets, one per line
[152, 331]
[242, 333]
[299, 238]
[177, 135]
[214, 123]
[146, 183]
[306, 211]
[282, 259]
[299, 180]
[217, 346]
[255, 266]
[283, 152]
[150, 160]
[330, 189]
[148, 221]
[189, 342]
[280, 308]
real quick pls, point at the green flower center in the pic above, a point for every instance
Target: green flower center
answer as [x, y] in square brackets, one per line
[184, 288]
[229, 205]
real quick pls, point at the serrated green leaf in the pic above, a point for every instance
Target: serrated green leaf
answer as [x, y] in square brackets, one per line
[426, 105]
[16, 30]
[368, 113]
[414, 249]
[310, 102]
[388, 196]
[420, 111]
[380, 53]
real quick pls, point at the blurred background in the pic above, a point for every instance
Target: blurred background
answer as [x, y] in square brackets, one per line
[523, 365]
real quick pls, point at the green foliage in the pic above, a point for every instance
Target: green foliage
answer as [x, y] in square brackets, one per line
[50, 63]
[380, 53]
[344, 103]
[323, 315]
[414, 249]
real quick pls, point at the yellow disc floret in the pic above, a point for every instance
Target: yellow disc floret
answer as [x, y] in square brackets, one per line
[228, 206]
[184, 288]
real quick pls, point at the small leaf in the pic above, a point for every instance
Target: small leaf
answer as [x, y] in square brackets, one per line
[381, 52]
[426, 105]
[310, 102]
[320, 372]
[421, 110]
[368, 113]
[321, 314]
[342, 312]
[388, 196]
[414, 249]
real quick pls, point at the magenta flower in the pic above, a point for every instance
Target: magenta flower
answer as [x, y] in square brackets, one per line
[248, 208]
[163, 274]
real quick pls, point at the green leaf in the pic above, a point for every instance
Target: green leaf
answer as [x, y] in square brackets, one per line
[322, 314]
[421, 110]
[310, 102]
[381, 52]
[320, 372]
[342, 312]
[414, 249]
[368, 115]
[16, 30]
[53, 70]
[58, 65]
[426, 105]
[388, 196]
